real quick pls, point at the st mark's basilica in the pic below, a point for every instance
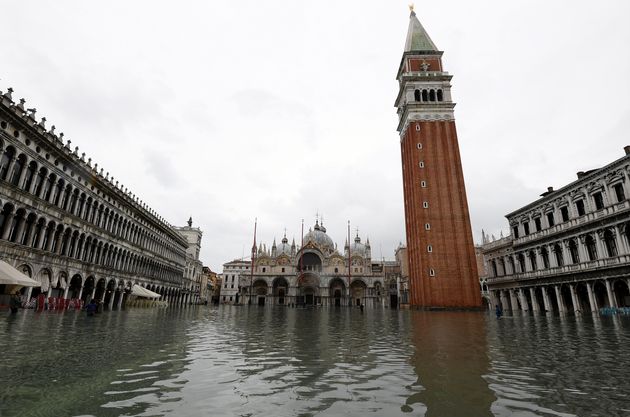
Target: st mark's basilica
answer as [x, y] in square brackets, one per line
[316, 273]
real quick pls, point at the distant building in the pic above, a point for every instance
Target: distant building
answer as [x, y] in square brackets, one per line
[193, 272]
[208, 283]
[570, 249]
[231, 280]
[442, 269]
[403, 281]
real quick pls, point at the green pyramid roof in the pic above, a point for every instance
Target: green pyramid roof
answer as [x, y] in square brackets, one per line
[417, 38]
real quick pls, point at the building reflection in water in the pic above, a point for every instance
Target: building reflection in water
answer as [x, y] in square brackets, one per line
[451, 360]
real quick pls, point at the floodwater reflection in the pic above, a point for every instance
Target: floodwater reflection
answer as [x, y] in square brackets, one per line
[451, 361]
[265, 361]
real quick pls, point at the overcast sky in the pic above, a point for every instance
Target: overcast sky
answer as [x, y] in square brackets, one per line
[230, 110]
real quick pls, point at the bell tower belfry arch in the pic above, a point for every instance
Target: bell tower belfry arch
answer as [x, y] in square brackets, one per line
[442, 266]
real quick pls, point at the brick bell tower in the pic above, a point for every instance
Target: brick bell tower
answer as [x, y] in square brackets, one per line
[442, 266]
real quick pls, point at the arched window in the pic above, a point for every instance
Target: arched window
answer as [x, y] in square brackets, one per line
[532, 259]
[5, 161]
[41, 183]
[573, 250]
[521, 262]
[18, 166]
[440, 96]
[611, 244]
[59, 192]
[432, 95]
[591, 248]
[416, 95]
[425, 95]
[31, 170]
[544, 254]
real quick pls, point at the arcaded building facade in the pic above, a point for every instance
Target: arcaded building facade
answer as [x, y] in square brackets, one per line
[316, 273]
[568, 250]
[73, 227]
[442, 268]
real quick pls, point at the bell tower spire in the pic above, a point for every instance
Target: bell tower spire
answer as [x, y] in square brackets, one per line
[442, 264]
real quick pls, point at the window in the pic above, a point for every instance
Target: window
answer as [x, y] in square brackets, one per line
[230, 298]
[526, 228]
[421, 164]
[579, 206]
[419, 145]
[418, 127]
[336, 270]
[619, 193]
[429, 248]
[425, 204]
[599, 201]
[550, 219]
[431, 272]
[427, 226]
[537, 224]
[515, 232]
[423, 184]
[264, 269]
[356, 269]
[282, 269]
[224, 298]
[564, 212]
[232, 286]
[416, 95]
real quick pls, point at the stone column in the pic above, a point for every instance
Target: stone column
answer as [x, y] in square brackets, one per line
[621, 249]
[504, 300]
[591, 297]
[23, 174]
[612, 302]
[523, 297]
[8, 222]
[10, 169]
[582, 251]
[110, 306]
[601, 246]
[539, 259]
[80, 291]
[21, 222]
[51, 238]
[93, 291]
[561, 305]
[565, 253]
[513, 301]
[546, 302]
[120, 299]
[532, 294]
[574, 299]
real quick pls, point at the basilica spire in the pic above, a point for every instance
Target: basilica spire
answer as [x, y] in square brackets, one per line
[417, 38]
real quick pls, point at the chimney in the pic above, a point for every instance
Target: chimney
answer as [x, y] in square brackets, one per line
[627, 149]
[550, 189]
[580, 174]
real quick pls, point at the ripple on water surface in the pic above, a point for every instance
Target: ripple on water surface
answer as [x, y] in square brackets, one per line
[240, 361]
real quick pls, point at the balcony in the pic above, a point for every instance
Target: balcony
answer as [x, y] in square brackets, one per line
[574, 223]
[597, 264]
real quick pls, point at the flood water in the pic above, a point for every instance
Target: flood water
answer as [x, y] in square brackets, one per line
[265, 361]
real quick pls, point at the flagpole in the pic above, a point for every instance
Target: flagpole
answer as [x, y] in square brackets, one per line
[251, 276]
[349, 267]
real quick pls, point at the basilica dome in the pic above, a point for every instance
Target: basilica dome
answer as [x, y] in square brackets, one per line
[359, 249]
[284, 247]
[319, 237]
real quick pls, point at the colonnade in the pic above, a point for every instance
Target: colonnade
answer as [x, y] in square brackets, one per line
[581, 296]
